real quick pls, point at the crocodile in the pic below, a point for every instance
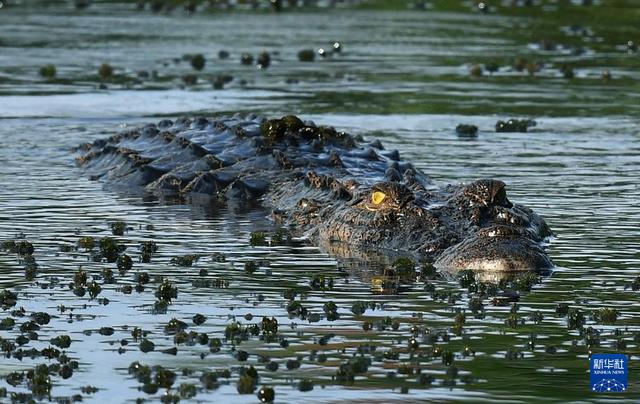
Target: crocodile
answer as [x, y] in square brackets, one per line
[328, 186]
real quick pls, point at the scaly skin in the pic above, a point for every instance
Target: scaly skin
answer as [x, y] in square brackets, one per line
[331, 186]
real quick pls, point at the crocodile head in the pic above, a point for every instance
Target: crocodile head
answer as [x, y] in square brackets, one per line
[458, 227]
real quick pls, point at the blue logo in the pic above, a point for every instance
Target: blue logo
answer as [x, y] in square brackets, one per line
[609, 373]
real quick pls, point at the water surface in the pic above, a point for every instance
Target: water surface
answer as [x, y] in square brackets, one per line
[403, 77]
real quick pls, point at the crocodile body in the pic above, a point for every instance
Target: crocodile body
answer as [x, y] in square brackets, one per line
[328, 185]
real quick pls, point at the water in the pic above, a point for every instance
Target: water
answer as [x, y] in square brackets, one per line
[403, 77]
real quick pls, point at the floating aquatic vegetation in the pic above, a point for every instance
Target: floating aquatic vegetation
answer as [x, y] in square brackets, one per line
[166, 291]
[258, 238]
[110, 249]
[575, 319]
[347, 371]
[87, 242]
[22, 247]
[198, 61]
[148, 247]
[246, 59]
[48, 71]
[61, 341]
[331, 310]
[515, 125]
[248, 380]
[306, 55]
[106, 331]
[199, 319]
[94, 289]
[80, 278]
[8, 299]
[321, 282]
[105, 71]
[118, 228]
[562, 309]
[185, 260]
[250, 267]
[465, 130]
[605, 315]
[536, 317]
[147, 346]
[358, 308]
[264, 60]
[174, 325]
[475, 71]
[187, 391]
[269, 326]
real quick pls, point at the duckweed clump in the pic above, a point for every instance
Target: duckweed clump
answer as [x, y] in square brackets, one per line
[248, 380]
[258, 238]
[61, 341]
[94, 289]
[575, 319]
[147, 249]
[48, 71]
[269, 326]
[321, 282]
[185, 260]
[358, 308]
[250, 267]
[246, 59]
[347, 371]
[110, 249]
[199, 319]
[266, 394]
[464, 130]
[209, 380]
[187, 391]
[514, 125]
[41, 318]
[264, 60]
[87, 242]
[562, 309]
[39, 381]
[105, 71]
[174, 325]
[7, 323]
[306, 55]
[147, 346]
[166, 292]
[22, 247]
[80, 278]
[536, 317]
[331, 310]
[605, 315]
[8, 299]
[118, 228]
[198, 62]
[305, 385]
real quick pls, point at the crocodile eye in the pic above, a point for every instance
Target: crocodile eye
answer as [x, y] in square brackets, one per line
[377, 197]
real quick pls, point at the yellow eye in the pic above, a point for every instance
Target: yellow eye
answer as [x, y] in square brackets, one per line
[377, 197]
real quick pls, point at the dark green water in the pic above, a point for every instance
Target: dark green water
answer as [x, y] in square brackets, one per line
[403, 76]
